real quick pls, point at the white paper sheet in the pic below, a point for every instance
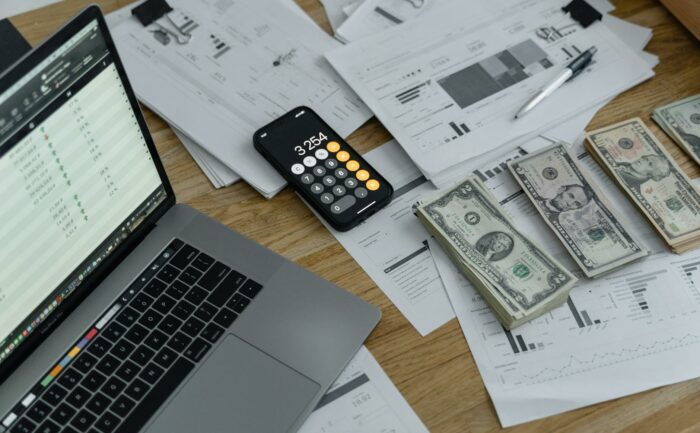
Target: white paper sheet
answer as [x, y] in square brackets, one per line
[391, 245]
[414, 77]
[218, 174]
[10, 8]
[207, 91]
[373, 16]
[627, 332]
[363, 400]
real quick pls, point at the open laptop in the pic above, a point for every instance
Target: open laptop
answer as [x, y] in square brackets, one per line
[160, 319]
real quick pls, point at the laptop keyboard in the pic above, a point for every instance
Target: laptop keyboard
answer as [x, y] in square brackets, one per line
[125, 366]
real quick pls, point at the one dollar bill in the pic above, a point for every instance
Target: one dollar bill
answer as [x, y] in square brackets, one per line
[517, 277]
[681, 121]
[575, 209]
[645, 171]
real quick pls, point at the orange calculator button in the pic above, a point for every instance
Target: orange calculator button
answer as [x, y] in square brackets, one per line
[353, 165]
[342, 156]
[333, 146]
[362, 175]
[372, 185]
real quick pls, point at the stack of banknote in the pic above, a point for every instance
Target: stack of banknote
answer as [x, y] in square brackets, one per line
[516, 277]
[594, 234]
[681, 121]
[646, 172]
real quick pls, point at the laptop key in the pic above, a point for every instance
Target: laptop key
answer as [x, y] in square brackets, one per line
[156, 340]
[98, 403]
[197, 350]
[179, 342]
[48, 426]
[150, 319]
[203, 262]
[23, 426]
[93, 381]
[157, 396]
[151, 373]
[155, 288]
[83, 420]
[177, 289]
[142, 355]
[55, 395]
[212, 332]
[251, 288]
[225, 317]
[196, 295]
[238, 303]
[184, 257]
[170, 324]
[214, 276]
[70, 378]
[205, 312]
[164, 304]
[122, 349]
[113, 387]
[226, 289]
[128, 370]
[192, 326]
[114, 331]
[168, 274]
[165, 357]
[137, 389]
[128, 316]
[141, 302]
[39, 411]
[136, 334]
[63, 413]
[190, 276]
[78, 397]
[107, 423]
[183, 310]
[122, 406]
[109, 363]
[70, 429]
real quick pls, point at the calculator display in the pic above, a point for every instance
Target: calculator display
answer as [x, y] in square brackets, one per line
[323, 168]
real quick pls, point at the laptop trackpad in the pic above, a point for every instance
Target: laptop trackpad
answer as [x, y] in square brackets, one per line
[238, 389]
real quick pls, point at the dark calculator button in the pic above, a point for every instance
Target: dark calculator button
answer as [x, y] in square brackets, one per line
[319, 171]
[212, 332]
[361, 192]
[55, 395]
[70, 378]
[122, 406]
[113, 387]
[141, 302]
[137, 389]
[197, 350]
[150, 319]
[203, 262]
[83, 420]
[94, 380]
[39, 411]
[177, 289]
[251, 288]
[48, 426]
[327, 198]
[183, 309]
[343, 204]
[114, 331]
[307, 178]
[238, 303]
[164, 304]
[168, 274]
[227, 288]
[142, 355]
[24, 426]
[86, 361]
[109, 363]
[351, 182]
[196, 295]
[99, 347]
[179, 341]
[98, 403]
[331, 163]
[341, 173]
[136, 334]
[316, 188]
[165, 357]
[128, 370]
[128, 316]
[184, 257]
[107, 423]
[156, 340]
[205, 312]
[213, 276]
[339, 190]
[192, 326]
[225, 317]
[78, 397]
[63, 413]
[121, 350]
[170, 324]
[151, 373]
[190, 275]
[155, 288]
[329, 181]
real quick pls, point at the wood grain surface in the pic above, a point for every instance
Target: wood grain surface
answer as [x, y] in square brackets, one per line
[436, 374]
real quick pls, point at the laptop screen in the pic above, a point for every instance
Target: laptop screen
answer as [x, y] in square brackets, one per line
[76, 179]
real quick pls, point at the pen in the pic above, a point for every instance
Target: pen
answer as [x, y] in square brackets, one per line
[572, 70]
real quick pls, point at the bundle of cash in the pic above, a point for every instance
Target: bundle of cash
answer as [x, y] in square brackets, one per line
[681, 121]
[645, 171]
[516, 277]
[574, 208]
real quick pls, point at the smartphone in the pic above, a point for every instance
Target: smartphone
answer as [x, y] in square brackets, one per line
[338, 183]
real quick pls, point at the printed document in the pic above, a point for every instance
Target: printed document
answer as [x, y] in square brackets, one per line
[246, 64]
[627, 332]
[448, 85]
[363, 400]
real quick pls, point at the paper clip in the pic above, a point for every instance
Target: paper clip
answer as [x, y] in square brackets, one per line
[151, 11]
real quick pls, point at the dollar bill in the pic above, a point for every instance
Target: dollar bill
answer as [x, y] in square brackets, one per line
[681, 121]
[517, 277]
[576, 211]
[648, 175]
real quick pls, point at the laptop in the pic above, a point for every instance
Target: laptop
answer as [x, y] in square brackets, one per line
[121, 311]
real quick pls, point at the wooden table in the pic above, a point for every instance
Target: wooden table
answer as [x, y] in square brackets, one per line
[436, 374]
